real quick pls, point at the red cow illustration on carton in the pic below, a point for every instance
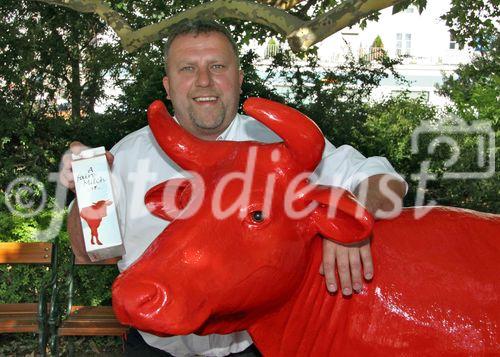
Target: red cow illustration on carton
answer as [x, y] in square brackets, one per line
[436, 289]
[93, 215]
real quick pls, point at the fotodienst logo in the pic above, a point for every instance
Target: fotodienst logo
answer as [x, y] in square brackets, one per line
[447, 149]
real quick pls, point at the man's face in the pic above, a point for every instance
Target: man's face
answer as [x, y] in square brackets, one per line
[203, 82]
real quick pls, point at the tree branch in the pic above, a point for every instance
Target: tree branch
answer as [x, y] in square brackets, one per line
[278, 20]
[111, 17]
[281, 4]
[301, 34]
[346, 14]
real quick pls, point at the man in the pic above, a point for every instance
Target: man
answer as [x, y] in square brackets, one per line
[203, 82]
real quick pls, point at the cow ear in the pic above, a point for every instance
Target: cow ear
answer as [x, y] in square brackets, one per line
[167, 199]
[339, 216]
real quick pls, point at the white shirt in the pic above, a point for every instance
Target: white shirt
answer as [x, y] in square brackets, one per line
[140, 164]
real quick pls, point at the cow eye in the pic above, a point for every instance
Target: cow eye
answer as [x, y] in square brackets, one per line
[257, 216]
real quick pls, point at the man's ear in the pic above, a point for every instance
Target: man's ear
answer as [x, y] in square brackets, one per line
[241, 77]
[339, 216]
[166, 85]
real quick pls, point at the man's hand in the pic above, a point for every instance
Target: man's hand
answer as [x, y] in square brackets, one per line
[66, 172]
[383, 196]
[348, 260]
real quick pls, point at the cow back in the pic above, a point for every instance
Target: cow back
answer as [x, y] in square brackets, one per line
[435, 291]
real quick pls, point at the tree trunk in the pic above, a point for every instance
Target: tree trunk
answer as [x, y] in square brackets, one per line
[75, 87]
[90, 96]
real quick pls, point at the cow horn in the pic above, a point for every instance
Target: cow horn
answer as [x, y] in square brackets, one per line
[301, 135]
[185, 149]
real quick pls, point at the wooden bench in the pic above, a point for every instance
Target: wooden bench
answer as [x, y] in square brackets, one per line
[31, 317]
[86, 320]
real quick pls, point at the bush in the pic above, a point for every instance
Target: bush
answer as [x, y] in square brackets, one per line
[388, 132]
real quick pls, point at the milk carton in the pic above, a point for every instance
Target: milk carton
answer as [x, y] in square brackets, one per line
[96, 202]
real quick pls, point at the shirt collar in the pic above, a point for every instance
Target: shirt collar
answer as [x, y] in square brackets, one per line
[229, 132]
[231, 129]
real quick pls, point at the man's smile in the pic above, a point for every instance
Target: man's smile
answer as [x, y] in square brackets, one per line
[206, 99]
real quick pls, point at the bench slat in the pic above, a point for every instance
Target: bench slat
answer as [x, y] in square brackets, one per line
[15, 326]
[88, 313]
[91, 320]
[32, 253]
[92, 310]
[91, 328]
[16, 318]
[21, 308]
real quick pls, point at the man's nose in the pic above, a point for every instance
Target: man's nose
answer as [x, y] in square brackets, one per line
[204, 77]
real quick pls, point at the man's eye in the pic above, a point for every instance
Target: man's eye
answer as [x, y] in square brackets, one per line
[218, 66]
[187, 68]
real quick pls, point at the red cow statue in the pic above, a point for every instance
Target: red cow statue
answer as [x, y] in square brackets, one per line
[436, 288]
[93, 215]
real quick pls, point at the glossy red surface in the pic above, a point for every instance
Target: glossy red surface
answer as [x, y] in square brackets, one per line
[435, 289]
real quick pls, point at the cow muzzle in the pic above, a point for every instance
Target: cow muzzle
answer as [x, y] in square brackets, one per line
[148, 306]
[140, 299]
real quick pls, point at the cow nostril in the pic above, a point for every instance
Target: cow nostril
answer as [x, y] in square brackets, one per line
[149, 296]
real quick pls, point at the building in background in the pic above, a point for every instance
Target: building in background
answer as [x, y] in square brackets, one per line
[423, 39]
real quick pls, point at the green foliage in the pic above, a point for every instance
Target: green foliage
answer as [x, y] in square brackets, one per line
[47, 54]
[377, 43]
[388, 129]
[420, 4]
[474, 89]
[388, 132]
[337, 99]
[474, 23]
[18, 344]
[253, 84]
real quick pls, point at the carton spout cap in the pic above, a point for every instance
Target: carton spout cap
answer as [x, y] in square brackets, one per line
[89, 153]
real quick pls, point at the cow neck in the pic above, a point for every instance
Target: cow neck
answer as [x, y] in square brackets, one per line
[309, 324]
